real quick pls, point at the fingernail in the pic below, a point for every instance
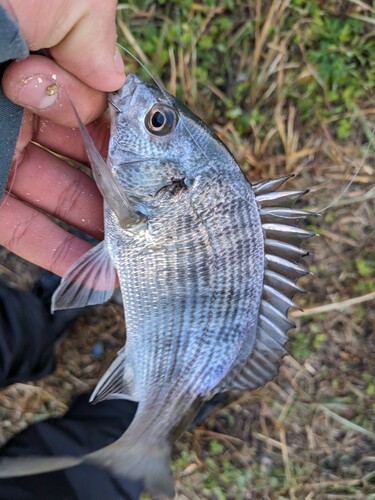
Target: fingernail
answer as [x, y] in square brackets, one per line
[38, 92]
[119, 63]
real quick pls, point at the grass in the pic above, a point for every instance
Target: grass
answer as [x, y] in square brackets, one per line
[289, 86]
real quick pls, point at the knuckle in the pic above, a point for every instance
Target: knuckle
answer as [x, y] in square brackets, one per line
[68, 200]
[61, 254]
[19, 235]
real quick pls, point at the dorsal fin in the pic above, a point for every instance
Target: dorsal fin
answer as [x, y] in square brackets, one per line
[283, 239]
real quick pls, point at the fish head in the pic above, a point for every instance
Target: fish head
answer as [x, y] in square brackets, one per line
[158, 148]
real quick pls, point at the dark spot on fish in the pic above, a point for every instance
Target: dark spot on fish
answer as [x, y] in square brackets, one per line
[175, 187]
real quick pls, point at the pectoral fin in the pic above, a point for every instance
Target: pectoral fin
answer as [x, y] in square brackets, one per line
[117, 199]
[90, 281]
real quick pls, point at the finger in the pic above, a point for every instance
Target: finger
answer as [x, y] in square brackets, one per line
[43, 87]
[48, 183]
[68, 141]
[33, 236]
[63, 140]
[81, 36]
[90, 52]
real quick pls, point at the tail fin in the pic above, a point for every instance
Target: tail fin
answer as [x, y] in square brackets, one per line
[138, 462]
[29, 466]
[149, 464]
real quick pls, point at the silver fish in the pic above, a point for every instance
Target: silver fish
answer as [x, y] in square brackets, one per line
[208, 266]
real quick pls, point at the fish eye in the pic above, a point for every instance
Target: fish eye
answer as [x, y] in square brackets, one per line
[160, 120]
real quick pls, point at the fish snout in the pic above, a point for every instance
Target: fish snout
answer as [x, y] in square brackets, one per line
[119, 98]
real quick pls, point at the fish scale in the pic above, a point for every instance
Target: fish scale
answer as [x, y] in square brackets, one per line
[208, 266]
[223, 307]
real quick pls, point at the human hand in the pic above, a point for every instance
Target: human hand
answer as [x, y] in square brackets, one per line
[83, 67]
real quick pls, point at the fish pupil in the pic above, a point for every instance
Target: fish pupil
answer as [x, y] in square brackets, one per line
[158, 119]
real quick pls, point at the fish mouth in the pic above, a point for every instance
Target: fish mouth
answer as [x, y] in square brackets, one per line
[118, 99]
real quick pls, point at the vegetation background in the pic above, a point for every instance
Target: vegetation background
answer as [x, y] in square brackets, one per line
[289, 87]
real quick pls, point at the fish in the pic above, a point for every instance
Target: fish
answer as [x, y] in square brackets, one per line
[208, 266]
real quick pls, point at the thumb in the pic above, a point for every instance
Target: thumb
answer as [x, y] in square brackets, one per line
[46, 89]
[80, 36]
[89, 50]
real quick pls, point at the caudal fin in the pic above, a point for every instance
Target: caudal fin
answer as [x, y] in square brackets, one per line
[149, 464]
[138, 462]
[29, 466]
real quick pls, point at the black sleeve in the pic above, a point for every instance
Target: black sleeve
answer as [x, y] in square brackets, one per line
[10, 122]
[24, 328]
[12, 43]
[12, 46]
[83, 429]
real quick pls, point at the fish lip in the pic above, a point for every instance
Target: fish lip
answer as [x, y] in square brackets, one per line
[117, 99]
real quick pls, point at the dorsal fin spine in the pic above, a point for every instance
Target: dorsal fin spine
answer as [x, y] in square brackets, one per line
[282, 270]
[282, 243]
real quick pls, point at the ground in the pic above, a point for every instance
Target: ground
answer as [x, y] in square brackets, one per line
[289, 87]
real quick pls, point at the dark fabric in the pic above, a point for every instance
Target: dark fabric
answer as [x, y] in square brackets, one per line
[83, 429]
[26, 347]
[12, 46]
[28, 332]
[10, 122]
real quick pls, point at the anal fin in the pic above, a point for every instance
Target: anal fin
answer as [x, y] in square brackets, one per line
[116, 383]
